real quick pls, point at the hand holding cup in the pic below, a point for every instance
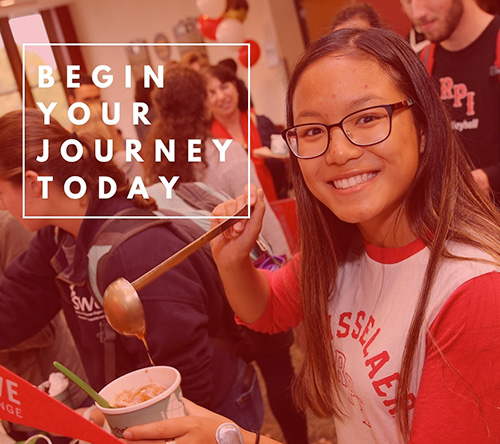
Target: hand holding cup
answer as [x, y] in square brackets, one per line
[168, 403]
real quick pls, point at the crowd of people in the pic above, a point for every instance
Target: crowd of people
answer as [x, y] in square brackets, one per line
[394, 169]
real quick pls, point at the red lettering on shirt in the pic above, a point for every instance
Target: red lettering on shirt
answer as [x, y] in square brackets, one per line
[369, 325]
[446, 88]
[411, 403]
[388, 403]
[355, 333]
[343, 324]
[340, 361]
[387, 381]
[350, 388]
[470, 103]
[365, 333]
[346, 380]
[376, 363]
[365, 348]
[458, 92]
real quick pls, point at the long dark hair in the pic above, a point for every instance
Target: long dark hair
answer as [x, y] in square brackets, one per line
[88, 168]
[182, 115]
[443, 204]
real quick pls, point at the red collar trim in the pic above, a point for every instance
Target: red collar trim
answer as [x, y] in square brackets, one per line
[394, 255]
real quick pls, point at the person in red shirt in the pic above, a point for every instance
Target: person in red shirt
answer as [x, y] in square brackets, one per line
[229, 122]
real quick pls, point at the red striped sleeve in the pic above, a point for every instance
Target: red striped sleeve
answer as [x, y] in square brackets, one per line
[283, 310]
[459, 395]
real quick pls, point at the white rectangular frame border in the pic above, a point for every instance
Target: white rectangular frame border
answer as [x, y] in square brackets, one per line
[25, 45]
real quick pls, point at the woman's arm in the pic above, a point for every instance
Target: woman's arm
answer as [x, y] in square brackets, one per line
[199, 427]
[459, 395]
[247, 288]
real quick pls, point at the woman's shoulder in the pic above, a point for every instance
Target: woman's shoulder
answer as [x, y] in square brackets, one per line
[468, 267]
[471, 257]
[473, 306]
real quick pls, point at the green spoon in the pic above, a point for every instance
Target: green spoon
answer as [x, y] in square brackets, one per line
[83, 385]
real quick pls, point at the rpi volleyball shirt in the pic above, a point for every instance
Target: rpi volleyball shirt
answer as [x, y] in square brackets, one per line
[472, 96]
[376, 296]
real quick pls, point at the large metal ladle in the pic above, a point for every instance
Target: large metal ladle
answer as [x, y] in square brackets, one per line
[122, 305]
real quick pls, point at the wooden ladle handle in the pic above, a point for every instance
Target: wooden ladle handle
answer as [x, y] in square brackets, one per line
[188, 250]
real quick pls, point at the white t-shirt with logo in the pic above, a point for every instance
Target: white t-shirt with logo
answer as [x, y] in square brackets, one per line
[377, 293]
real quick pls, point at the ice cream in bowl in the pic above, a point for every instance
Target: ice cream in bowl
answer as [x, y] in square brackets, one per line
[142, 396]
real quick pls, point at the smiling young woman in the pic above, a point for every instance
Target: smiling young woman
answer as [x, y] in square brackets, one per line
[397, 284]
[365, 185]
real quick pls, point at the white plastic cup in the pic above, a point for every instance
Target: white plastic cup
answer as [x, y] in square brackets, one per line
[168, 404]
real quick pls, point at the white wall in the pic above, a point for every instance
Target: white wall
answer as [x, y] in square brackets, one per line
[122, 21]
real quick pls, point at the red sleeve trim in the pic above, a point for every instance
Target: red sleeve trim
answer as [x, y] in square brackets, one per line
[284, 309]
[459, 395]
[393, 255]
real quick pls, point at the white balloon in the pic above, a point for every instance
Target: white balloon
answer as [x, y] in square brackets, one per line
[212, 8]
[230, 30]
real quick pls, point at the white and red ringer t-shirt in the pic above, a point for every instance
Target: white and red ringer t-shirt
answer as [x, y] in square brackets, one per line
[370, 315]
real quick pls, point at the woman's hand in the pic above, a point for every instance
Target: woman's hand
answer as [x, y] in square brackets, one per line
[199, 427]
[237, 242]
[247, 288]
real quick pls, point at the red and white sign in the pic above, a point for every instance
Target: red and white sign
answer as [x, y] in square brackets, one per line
[23, 403]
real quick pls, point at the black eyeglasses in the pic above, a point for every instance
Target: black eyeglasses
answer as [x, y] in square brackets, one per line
[365, 127]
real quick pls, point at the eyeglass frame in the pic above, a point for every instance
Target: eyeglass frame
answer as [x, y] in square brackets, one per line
[407, 103]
